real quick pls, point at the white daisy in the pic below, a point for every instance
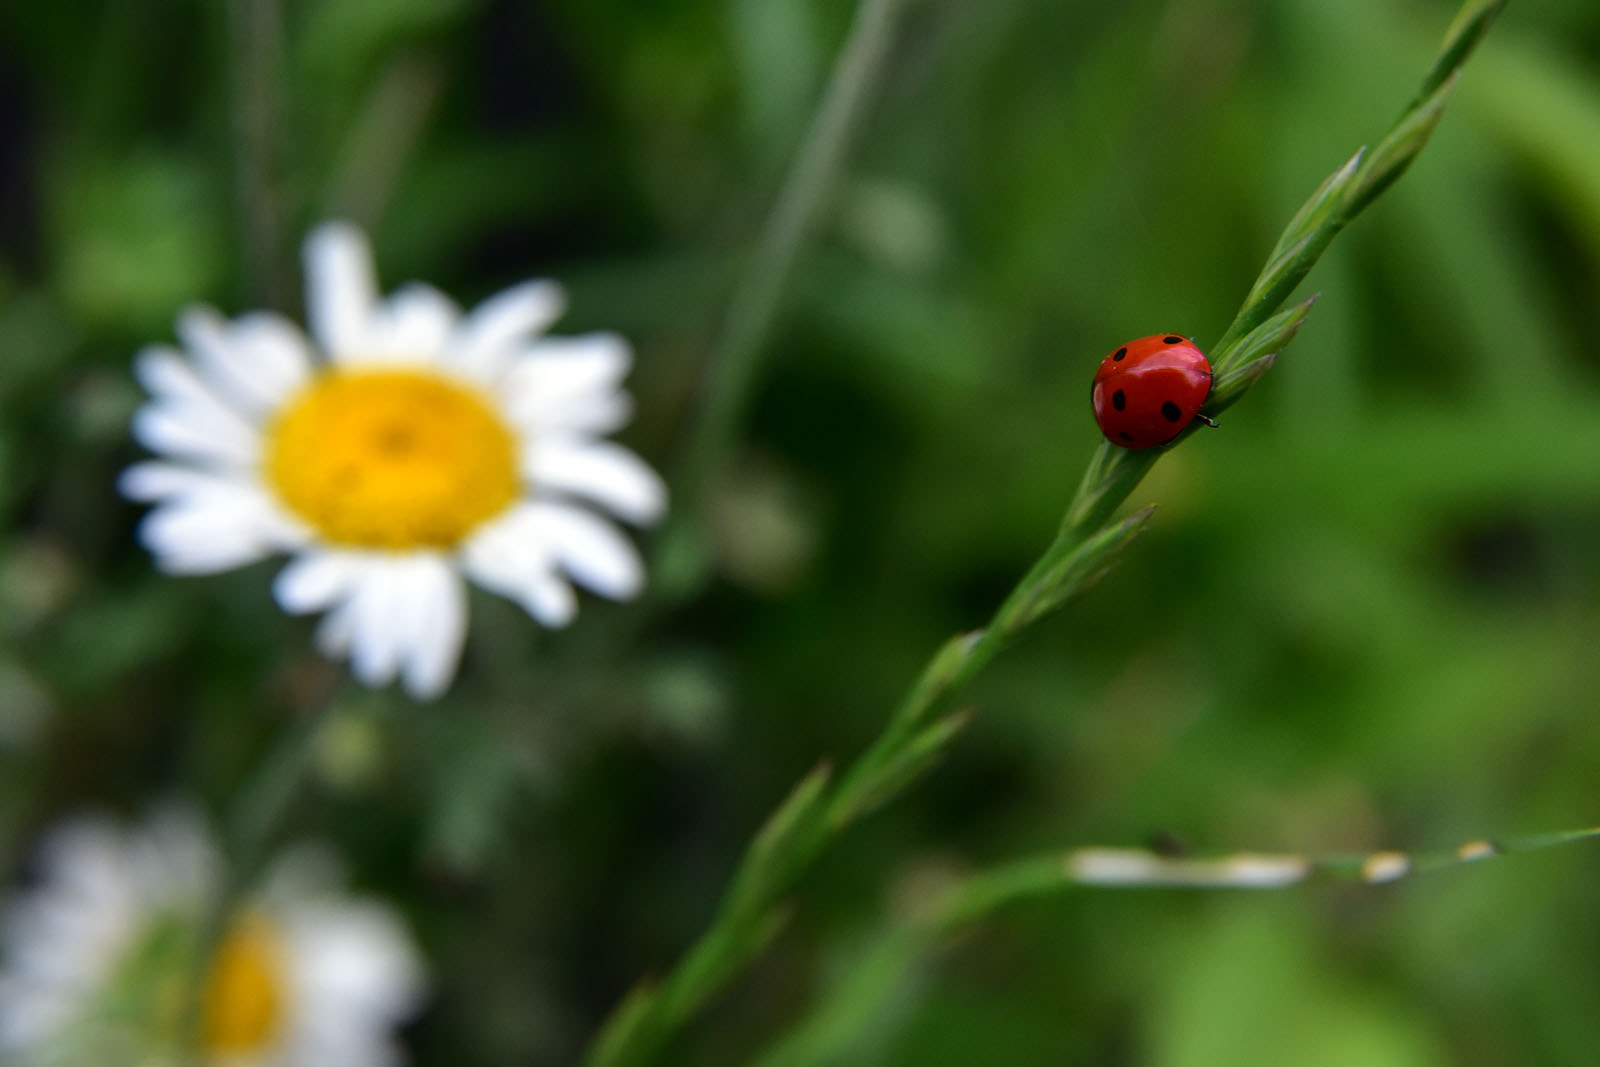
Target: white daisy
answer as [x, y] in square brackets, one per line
[409, 446]
[101, 957]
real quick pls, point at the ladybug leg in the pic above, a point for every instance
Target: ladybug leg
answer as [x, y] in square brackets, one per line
[1208, 420]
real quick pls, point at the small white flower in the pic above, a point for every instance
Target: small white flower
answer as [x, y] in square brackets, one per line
[410, 446]
[100, 959]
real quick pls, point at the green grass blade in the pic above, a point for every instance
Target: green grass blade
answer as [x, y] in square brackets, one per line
[905, 764]
[1469, 26]
[1396, 151]
[1312, 215]
[1268, 339]
[1086, 543]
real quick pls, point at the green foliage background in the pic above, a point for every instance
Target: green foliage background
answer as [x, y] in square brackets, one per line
[1364, 616]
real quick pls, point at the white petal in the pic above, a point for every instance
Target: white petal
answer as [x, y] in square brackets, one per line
[569, 366]
[506, 557]
[276, 352]
[202, 538]
[549, 600]
[233, 369]
[341, 288]
[354, 977]
[543, 594]
[404, 614]
[439, 626]
[601, 471]
[206, 500]
[377, 636]
[210, 423]
[412, 327]
[315, 580]
[592, 413]
[491, 335]
[589, 548]
[100, 889]
[161, 481]
[360, 954]
[171, 379]
[181, 432]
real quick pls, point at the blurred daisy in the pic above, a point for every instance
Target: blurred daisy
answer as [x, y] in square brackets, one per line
[406, 445]
[101, 959]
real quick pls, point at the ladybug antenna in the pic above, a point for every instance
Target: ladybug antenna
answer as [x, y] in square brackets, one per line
[1207, 419]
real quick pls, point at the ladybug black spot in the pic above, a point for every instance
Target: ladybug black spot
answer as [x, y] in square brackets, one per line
[1120, 353]
[1170, 412]
[1172, 339]
[1118, 400]
[1128, 437]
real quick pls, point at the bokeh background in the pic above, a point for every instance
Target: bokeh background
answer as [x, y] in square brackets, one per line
[1365, 615]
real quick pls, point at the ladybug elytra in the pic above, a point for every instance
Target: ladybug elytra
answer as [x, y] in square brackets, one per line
[1149, 389]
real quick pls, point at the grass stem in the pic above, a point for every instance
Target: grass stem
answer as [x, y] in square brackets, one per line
[255, 29]
[1088, 541]
[731, 370]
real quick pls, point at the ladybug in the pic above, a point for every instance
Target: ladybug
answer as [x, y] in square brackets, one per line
[1148, 390]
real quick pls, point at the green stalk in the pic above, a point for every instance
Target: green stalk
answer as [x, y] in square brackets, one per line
[1088, 542]
[730, 371]
[838, 1024]
[1136, 868]
[256, 43]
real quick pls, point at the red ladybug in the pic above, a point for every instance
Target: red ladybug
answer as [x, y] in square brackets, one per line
[1148, 390]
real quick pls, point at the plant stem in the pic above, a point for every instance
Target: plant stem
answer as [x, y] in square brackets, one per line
[836, 1026]
[255, 30]
[1087, 542]
[1134, 868]
[383, 138]
[731, 370]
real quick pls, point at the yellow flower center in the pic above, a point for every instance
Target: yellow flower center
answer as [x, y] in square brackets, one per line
[394, 459]
[244, 1000]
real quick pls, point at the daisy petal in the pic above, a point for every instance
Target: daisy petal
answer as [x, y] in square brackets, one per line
[277, 353]
[588, 548]
[365, 957]
[400, 614]
[210, 422]
[592, 360]
[411, 327]
[341, 289]
[549, 600]
[392, 587]
[315, 580]
[341, 974]
[601, 471]
[592, 414]
[437, 608]
[558, 370]
[177, 433]
[200, 540]
[171, 379]
[545, 596]
[488, 339]
[229, 512]
[377, 636]
[153, 481]
[507, 558]
[234, 370]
